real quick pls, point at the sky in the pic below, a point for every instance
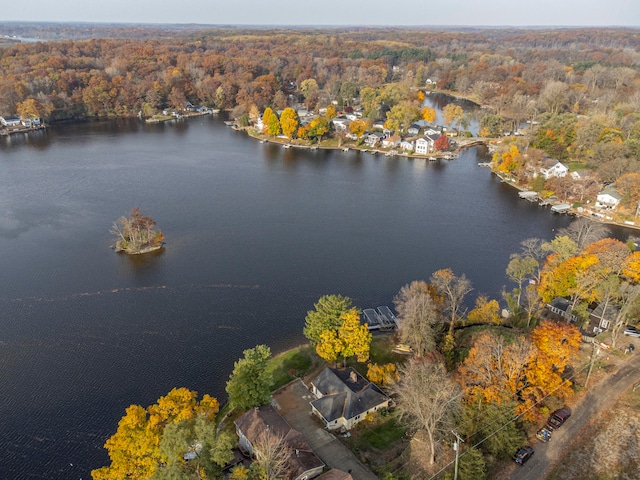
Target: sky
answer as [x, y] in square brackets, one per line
[332, 12]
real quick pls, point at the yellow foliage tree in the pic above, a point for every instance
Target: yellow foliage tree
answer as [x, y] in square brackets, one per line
[358, 127]
[485, 311]
[382, 374]
[30, 108]
[428, 114]
[510, 160]
[349, 340]
[134, 449]
[289, 122]
[573, 276]
[631, 268]
[331, 112]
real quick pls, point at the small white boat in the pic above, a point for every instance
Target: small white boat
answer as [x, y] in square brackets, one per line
[287, 145]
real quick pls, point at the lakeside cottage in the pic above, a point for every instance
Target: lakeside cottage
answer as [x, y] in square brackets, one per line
[252, 426]
[608, 199]
[553, 168]
[344, 398]
[10, 121]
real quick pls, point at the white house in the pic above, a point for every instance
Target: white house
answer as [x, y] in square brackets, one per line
[424, 145]
[10, 121]
[407, 145]
[373, 139]
[553, 168]
[392, 141]
[608, 198]
[341, 124]
[344, 398]
[414, 129]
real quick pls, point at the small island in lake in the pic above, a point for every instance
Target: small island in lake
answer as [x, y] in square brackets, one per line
[137, 234]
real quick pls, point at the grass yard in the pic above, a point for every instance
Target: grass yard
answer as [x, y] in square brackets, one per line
[290, 364]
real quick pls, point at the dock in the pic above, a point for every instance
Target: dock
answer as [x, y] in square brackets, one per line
[381, 318]
[529, 195]
[561, 208]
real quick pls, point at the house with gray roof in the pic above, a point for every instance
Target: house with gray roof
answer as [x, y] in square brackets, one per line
[254, 425]
[344, 398]
[609, 198]
[561, 306]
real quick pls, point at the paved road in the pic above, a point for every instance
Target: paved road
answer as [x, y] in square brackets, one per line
[294, 407]
[599, 398]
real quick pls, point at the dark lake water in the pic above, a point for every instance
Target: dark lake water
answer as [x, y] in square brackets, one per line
[255, 235]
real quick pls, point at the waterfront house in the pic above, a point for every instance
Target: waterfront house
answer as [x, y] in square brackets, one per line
[561, 306]
[344, 398]
[553, 168]
[254, 425]
[373, 139]
[407, 145]
[392, 141]
[414, 129]
[423, 146]
[10, 121]
[341, 124]
[601, 318]
[609, 198]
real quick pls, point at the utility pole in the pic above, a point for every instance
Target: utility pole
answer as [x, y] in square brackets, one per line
[596, 350]
[456, 447]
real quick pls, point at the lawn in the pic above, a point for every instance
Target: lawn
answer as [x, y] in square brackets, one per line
[291, 364]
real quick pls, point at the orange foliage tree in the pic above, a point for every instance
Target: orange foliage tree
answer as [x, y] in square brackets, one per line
[556, 345]
[494, 370]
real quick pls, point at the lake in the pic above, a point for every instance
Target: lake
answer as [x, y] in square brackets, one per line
[255, 234]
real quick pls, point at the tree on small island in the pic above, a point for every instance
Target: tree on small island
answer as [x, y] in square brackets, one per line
[137, 234]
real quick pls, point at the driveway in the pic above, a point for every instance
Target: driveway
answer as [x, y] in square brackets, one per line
[293, 404]
[600, 398]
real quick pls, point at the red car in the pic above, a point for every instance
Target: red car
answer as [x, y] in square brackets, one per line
[557, 418]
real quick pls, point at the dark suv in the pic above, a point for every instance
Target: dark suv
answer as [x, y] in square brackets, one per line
[524, 454]
[558, 417]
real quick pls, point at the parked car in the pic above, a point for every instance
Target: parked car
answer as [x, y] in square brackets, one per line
[631, 331]
[524, 454]
[544, 434]
[557, 418]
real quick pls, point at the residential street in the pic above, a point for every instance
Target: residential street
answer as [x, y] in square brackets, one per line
[601, 397]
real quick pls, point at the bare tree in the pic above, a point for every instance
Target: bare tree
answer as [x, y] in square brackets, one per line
[427, 399]
[584, 231]
[272, 455]
[628, 303]
[418, 316]
[531, 304]
[453, 289]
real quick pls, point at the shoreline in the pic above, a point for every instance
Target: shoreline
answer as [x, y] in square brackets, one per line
[576, 212]
[5, 132]
[437, 155]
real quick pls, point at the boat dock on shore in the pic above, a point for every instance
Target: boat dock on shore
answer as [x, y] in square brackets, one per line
[381, 318]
